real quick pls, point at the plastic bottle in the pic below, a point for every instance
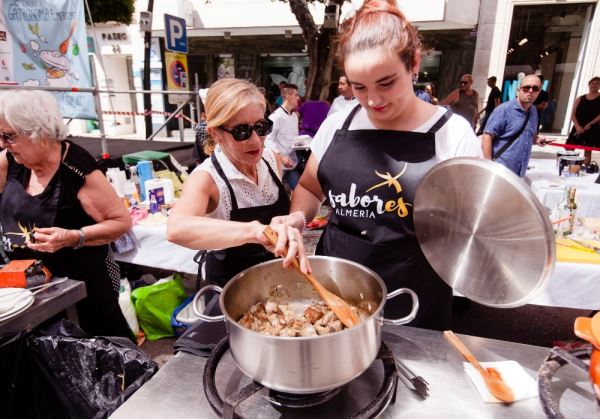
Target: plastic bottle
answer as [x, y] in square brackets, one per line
[154, 207]
[132, 198]
[135, 179]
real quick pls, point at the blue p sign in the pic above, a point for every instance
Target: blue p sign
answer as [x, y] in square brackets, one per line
[176, 34]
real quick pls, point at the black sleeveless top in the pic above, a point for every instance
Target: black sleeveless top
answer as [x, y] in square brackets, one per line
[58, 206]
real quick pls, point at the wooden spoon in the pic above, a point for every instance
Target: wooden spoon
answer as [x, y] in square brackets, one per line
[493, 382]
[339, 307]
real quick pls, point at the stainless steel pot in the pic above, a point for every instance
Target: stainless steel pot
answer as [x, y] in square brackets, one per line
[304, 365]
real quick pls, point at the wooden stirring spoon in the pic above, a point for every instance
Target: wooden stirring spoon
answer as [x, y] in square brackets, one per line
[339, 307]
[493, 382]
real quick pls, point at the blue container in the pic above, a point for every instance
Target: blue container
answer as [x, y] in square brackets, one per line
[144, 172]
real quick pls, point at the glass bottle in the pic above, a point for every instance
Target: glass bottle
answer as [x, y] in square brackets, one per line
[572, 210]
[560, 212]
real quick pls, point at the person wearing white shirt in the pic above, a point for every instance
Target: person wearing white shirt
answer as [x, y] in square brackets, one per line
[285, 131]
[345, 100]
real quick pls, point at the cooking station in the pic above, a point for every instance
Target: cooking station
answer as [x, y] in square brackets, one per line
[177, 390]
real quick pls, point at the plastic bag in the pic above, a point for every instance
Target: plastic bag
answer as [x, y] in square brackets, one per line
[127, 306]
[90, 376]
[154, 305]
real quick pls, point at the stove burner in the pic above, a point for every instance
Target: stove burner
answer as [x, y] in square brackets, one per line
[296, 401]
[279, 400]
[558, 358]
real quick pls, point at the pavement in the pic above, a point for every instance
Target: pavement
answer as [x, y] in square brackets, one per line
[119, 146]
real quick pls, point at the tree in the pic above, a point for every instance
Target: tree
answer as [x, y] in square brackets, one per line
[320, 47]
[111, 10]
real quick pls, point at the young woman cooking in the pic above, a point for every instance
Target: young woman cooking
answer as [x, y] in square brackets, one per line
[367, 162]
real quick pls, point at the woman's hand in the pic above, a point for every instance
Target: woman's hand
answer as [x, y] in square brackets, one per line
[579, 129]
[51, 239]
[286, 236]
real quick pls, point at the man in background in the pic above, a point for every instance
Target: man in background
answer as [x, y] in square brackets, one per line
[285, 131]
[511, 129]
[541, 103]
[492, 102]
[346, 98]
[464, 101]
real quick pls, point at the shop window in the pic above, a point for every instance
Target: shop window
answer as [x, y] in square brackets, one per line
[547, 40]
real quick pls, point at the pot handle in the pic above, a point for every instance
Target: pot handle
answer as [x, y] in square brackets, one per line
[197, 312]
[413, 311]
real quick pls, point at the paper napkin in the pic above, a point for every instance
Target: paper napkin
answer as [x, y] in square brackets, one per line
[513, 374]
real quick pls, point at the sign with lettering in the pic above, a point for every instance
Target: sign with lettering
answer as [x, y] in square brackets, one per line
[48, 47]
[176, 34]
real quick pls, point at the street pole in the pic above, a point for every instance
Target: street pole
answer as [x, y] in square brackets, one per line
[146, 78]
[98, 103]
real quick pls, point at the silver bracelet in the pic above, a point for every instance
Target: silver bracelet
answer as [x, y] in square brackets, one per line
[81, 239]
[301, 215]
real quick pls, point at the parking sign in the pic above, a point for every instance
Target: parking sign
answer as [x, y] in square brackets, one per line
[176, 34]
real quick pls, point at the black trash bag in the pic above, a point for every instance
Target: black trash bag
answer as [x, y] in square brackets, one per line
[91, 376]
[25, 392]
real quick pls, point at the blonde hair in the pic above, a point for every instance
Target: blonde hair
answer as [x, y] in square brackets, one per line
[379, 23]
[225, 98]
[34, 112]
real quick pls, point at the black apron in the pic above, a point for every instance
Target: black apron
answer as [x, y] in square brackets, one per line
[370, 178]
[222, 265]
[20, 212]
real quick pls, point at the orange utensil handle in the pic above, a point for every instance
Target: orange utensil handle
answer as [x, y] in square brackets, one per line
[461, 348]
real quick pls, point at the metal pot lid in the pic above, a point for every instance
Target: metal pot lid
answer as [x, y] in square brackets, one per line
[484, 232]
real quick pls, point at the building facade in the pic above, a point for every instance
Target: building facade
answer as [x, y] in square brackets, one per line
[260, 40]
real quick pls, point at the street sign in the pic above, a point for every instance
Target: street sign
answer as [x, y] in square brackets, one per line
[176, 34]
[177, 75]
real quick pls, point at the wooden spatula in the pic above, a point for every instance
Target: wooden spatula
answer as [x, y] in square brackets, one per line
[339, 307]
[493, 382]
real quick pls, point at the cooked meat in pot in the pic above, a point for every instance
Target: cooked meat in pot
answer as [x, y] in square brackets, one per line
[295, 318]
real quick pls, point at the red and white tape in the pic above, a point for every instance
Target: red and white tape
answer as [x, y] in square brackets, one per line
[148, 112]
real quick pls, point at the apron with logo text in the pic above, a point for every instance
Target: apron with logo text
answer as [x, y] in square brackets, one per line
[369, 178]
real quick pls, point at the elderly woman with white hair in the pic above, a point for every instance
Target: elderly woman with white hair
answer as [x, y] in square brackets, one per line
[57, 206]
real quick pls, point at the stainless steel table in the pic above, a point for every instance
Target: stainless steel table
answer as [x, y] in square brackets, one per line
[48, 303]
[176, 391]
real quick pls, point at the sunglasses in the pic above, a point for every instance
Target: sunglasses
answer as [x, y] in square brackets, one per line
[532, 87]
[242, 132]
[464, 82]
[8, 137]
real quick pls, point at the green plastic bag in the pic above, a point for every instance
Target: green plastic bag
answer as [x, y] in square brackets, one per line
[154, 305]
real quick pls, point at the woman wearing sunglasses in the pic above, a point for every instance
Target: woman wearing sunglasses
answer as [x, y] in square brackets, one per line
[367, 161]
[57, 206]
[231, 196]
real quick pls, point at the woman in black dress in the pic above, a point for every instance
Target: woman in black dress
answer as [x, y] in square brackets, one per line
[586, 119]
[57, 206]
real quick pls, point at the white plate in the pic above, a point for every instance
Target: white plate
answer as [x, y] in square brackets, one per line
[25, 300]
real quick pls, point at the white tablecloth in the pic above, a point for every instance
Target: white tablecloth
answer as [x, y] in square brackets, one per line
[155, 251]
[574, 285]
[547, 185]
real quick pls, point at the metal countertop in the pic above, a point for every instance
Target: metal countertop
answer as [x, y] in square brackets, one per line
[176, 391]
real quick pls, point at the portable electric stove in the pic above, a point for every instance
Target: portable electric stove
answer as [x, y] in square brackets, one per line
[234, 394]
